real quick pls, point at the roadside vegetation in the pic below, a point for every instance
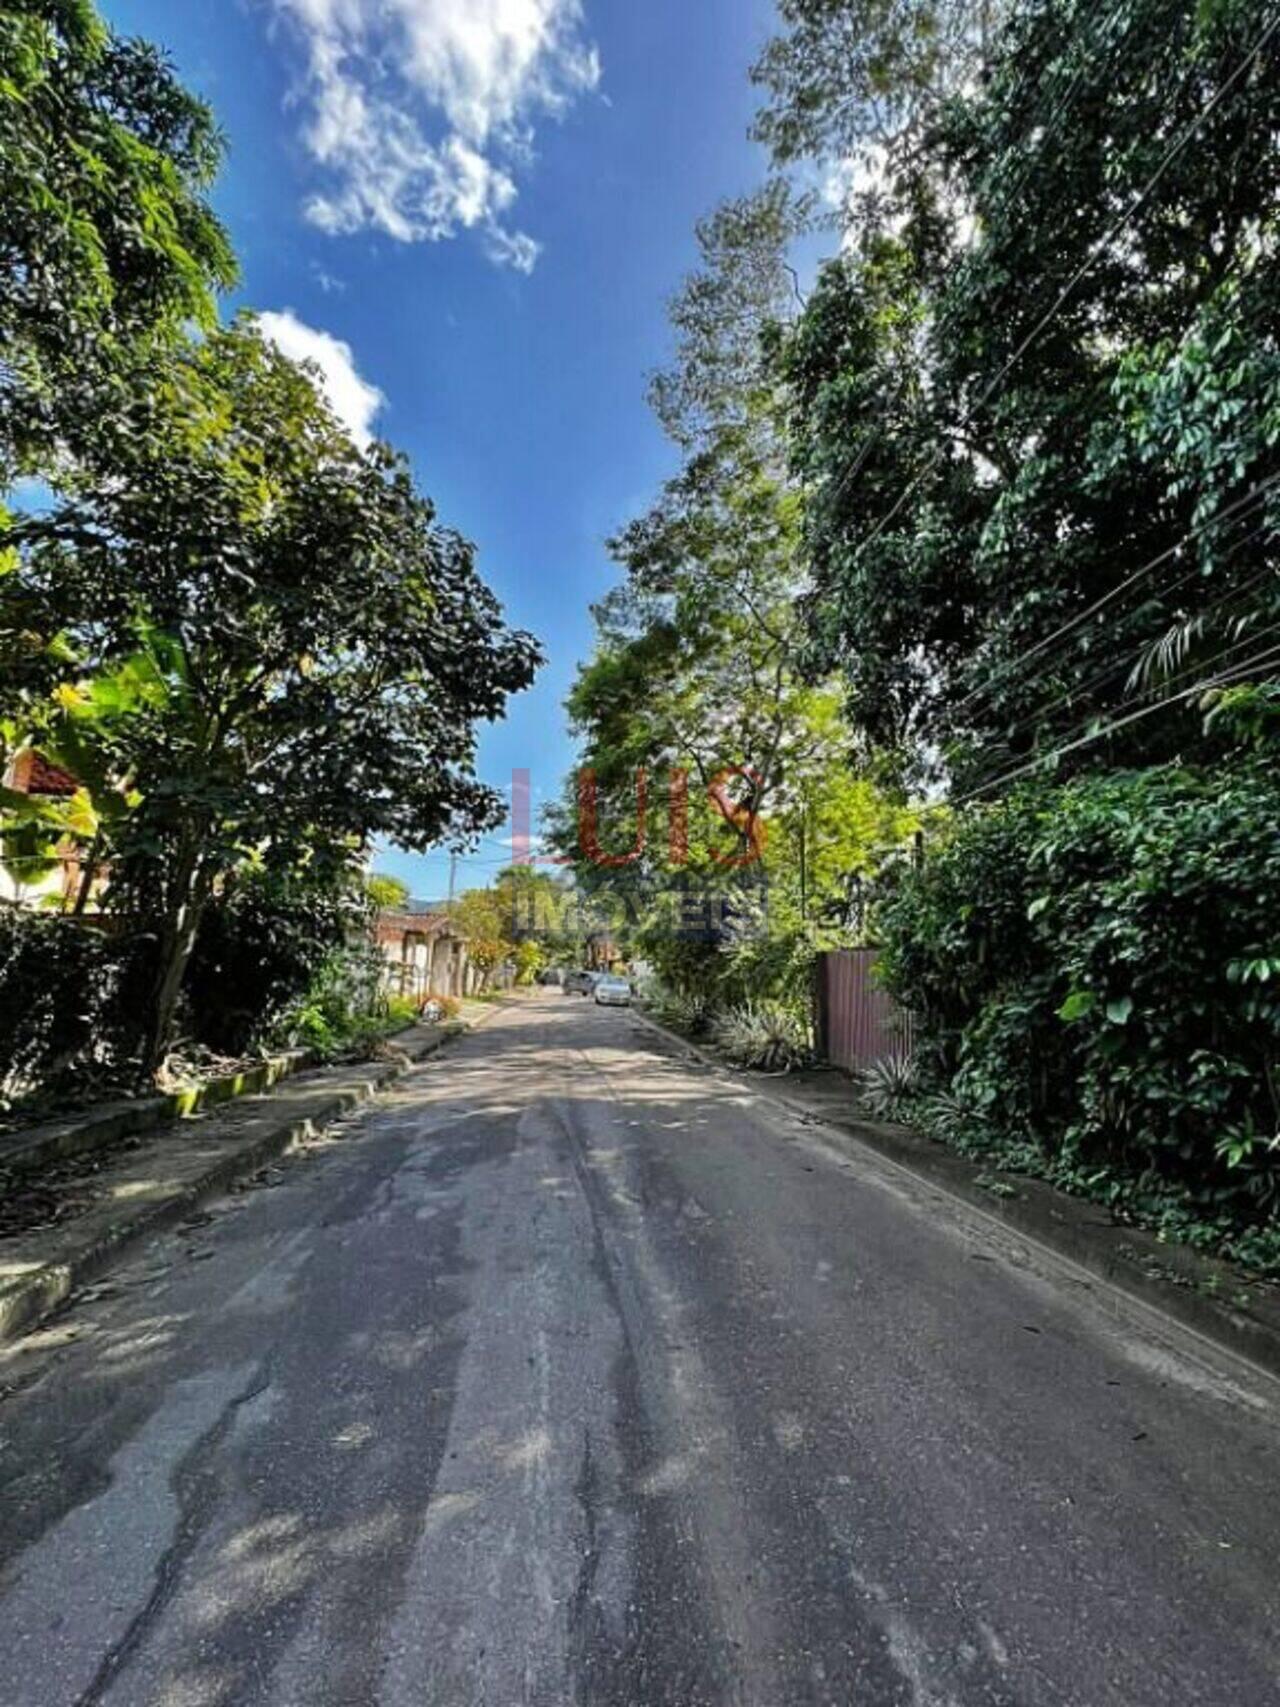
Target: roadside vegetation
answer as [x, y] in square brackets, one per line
[962, 612]
[248, 641]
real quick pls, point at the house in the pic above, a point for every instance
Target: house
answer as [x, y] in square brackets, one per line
[603, 953]
[26, 879]
[424, 954]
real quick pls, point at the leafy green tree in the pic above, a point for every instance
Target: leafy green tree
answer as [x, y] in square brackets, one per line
[1034, 400]
[484, 921]
[387, 894]
[538, 905]
[106, 234]
[697, 680]
[322, 647]
[530, 957]
[851, 78]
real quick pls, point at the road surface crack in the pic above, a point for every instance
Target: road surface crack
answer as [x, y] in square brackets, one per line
[196, 1483]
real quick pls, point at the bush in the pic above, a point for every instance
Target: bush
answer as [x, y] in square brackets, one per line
[345, 1007]
[261, 948]
[689, 1012]
[765, 1036]
[888, 1086]
[1096, 970]
[69, 997]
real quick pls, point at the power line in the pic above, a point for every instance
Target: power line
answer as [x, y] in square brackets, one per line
[1219, 679]
[1077, 690]
[1244, 505]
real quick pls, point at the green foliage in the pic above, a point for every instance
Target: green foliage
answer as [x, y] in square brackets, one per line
[344, 1009]
[387, 894]
[529, 957]
[318, 647]
[68, 1007]
[886, 1087]
[764, 1036]
[251, 641]
[852, 80]
[106, 163]
[688, 1012]
[1097, 973]
[994, 457]
[261, 947]
[484, 918]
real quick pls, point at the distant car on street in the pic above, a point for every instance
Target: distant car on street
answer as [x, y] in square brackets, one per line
[580, 983]
[613, 992]
[552, 978]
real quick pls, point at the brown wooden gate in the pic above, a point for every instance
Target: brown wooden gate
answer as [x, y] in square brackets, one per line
[858, 1023]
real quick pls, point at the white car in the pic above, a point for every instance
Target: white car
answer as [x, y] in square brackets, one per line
[613, 992]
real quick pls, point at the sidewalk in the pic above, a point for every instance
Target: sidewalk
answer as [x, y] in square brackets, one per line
[147, 1183]
[1213, 1299]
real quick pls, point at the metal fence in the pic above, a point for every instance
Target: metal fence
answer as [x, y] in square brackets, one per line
[857, 1022]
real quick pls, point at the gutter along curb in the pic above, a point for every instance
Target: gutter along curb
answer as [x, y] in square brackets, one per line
[1210, 1298]
[183, 1165]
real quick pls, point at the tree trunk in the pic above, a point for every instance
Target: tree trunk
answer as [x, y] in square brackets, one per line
[87, 875]
[188, 894]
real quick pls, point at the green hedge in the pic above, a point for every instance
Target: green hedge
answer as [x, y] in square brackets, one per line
[261, 947]
[70, 997]
[278, 959]
[1096, 969]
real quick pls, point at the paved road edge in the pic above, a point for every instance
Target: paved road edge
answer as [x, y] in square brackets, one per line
[28, 1298]
[1170, 1281]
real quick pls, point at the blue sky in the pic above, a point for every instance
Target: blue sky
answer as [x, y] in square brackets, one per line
[393, 165]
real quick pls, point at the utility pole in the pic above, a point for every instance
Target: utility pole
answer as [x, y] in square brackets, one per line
[804, 862]
[457, 976]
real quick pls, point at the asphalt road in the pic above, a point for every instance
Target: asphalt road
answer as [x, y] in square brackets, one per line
[572, 1374]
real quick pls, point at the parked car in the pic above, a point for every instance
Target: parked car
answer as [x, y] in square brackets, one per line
[552, 978]
[613, 992]
[580, 983]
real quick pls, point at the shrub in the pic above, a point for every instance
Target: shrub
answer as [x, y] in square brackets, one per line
[1096, 969]
[688, 1012]
[887, 1086]
[69, 997]
[345, 1006]
[263, 945]
[765, 1036]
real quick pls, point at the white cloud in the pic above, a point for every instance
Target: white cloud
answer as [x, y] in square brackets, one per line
[418, 111]
[353, 400]
[512, 249]
[329, 283]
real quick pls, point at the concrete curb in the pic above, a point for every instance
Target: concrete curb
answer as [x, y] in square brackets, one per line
[29, 1149]
[28, 1296]
[1204, 1296]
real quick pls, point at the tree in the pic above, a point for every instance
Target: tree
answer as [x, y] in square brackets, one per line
[106, 234]
[1041, 457]
[856, 78]
[530, 958]
[322, 647]
[539, 906]
[697, 683]
[480, 916]
[388, 894]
